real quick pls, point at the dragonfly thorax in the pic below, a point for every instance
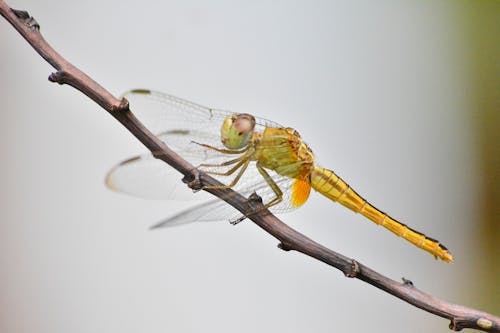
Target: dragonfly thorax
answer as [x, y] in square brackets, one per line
[236, 130]
[282, 150]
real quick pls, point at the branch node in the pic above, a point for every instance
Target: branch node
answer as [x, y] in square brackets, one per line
[27, 19]
[354, 269]
[407, 282]
[255, 198]
[284, 247]
[58, 77]
[121, 107]
[193, 180]
[254, 205]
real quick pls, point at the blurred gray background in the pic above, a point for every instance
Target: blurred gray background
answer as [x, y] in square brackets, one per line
[400, 98]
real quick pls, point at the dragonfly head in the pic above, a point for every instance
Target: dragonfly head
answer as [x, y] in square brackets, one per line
[236, 130]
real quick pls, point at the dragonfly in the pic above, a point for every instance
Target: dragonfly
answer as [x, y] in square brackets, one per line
[244, 152]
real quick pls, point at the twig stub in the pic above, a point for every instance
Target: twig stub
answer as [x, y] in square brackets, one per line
[28, 20]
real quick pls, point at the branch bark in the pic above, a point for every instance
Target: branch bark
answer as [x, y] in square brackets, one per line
[460, 316]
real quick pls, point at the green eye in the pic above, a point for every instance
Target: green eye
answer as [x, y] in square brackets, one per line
[236, 130]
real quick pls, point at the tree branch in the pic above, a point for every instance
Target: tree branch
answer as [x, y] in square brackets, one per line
[460, 316]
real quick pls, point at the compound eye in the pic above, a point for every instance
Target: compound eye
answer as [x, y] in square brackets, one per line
[236, 130]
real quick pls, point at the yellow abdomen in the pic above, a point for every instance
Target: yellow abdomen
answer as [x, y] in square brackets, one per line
[333, 187]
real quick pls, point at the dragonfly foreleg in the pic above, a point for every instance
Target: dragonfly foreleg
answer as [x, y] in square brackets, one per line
[230, 162]
[220, 150]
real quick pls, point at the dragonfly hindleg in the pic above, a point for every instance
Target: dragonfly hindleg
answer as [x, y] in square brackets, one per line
[276, 200]
[274, 186]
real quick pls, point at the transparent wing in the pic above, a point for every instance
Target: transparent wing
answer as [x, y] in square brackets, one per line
[145, 176]
[213, 210]
[218, 210]
[178, 121]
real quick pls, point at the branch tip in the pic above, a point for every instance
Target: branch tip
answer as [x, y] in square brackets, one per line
[484, 323]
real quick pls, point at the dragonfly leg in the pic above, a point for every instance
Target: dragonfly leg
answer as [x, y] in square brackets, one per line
[230, 162]
[274, 186]
[243, 164]
[220, 150]
[275, 201]
[228, 172]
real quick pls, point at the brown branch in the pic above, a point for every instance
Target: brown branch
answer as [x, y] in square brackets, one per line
[460, 316]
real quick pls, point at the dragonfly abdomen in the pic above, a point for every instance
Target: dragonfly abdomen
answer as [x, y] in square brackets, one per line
[333, 187]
